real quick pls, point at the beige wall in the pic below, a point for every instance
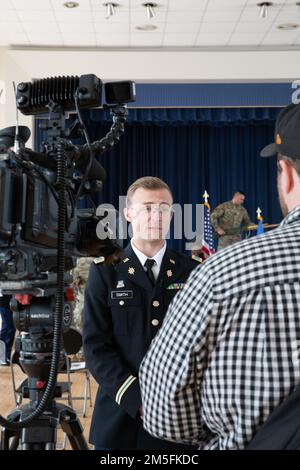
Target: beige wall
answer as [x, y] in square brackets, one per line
[2, 86]
[142, 66]
[162, 65]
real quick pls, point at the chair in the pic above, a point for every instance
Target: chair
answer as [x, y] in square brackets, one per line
[2, 351]
[73, 343]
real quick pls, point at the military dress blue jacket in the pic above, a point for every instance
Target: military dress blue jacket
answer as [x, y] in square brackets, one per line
[122, 314]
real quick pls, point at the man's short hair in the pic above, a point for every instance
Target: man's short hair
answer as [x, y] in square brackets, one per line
[239, 192]
[294, 162]
[151, 183]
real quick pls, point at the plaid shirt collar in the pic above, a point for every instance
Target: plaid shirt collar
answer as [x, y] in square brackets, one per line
[293, 216]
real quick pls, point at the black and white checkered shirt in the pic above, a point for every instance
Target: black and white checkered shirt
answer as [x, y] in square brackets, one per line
[229, 349]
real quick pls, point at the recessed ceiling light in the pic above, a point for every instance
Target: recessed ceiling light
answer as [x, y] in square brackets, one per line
[146, 27]
[71, 4]
[287, 26]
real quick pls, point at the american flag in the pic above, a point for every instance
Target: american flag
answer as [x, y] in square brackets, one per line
[208, 245]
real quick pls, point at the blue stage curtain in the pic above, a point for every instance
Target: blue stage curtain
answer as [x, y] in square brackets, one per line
[189, 116]
[192, 150]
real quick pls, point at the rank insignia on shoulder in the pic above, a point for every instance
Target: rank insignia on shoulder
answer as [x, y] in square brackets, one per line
[197, 258]
[99, 260]
[176, 286]
[120, 284]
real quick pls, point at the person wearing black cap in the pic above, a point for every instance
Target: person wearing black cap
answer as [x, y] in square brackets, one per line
[228, 352]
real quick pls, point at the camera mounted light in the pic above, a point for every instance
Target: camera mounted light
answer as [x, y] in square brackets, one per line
[34, 98]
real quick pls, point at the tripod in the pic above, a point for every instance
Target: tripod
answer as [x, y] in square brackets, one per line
[41, 433]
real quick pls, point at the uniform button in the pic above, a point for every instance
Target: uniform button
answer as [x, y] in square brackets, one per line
[155, 322]
[121, 302]
[155, 303]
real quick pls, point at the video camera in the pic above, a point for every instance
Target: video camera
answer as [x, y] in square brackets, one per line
[28, 188]
[42, 232]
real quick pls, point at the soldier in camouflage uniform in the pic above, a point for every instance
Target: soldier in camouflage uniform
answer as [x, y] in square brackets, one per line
[229, 219]
[80, 276]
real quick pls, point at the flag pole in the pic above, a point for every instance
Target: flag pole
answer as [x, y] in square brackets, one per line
[260, 227]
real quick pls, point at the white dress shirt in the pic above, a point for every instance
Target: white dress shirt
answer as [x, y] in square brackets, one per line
[158, 257]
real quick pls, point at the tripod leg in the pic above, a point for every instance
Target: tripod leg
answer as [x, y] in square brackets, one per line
[14, 443]
[72, 427]
[7, 434]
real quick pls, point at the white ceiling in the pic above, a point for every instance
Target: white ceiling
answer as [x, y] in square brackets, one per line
[180, 23]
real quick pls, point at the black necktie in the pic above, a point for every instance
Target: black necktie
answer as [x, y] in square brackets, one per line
[149, 265]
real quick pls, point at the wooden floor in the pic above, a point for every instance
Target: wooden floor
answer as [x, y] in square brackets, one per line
[7, 403]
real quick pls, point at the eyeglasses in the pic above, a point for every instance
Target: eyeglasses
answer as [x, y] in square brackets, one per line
[162, 209]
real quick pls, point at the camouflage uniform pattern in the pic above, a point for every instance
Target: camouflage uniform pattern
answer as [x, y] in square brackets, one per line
[231, 218]
[80, 275]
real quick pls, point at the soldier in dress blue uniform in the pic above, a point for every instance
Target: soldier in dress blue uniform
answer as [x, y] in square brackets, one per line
[125, 304]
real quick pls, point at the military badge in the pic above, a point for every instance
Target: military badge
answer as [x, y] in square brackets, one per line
[176, 286]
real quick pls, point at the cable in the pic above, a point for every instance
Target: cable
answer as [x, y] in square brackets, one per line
[91, 153]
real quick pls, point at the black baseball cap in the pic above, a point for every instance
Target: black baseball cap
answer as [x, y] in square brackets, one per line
[287, 134]
[7, 135]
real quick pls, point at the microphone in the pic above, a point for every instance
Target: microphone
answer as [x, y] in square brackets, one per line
[16, 142]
